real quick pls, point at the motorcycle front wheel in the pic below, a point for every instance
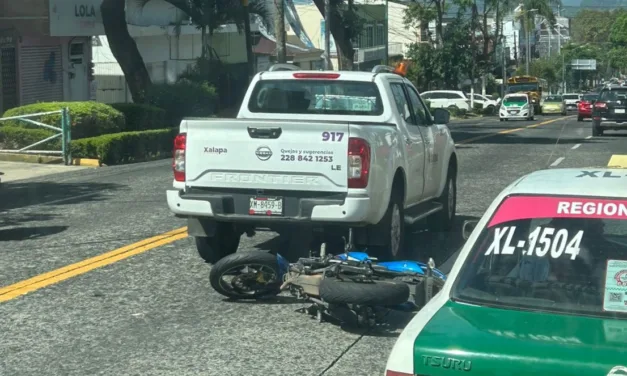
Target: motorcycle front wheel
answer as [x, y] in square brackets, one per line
[251, 275]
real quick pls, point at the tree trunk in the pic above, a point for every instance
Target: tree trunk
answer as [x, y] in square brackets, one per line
[343, 44]
[124, 49]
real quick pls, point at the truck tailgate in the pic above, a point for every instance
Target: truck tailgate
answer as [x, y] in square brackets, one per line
[260, 154]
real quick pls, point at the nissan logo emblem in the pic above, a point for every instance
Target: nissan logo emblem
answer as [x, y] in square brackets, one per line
[263, 153]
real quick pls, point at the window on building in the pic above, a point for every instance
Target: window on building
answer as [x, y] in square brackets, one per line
[369, 36]
[380, 41]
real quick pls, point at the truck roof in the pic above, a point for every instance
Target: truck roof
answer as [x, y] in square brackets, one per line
[343, 75]
[585, 181]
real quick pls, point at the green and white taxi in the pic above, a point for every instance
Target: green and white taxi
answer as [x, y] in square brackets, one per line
[516, 106]
[540, 287]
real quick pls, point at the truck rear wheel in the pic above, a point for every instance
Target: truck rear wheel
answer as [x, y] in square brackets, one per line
[224, 242]
[392, 226]
[443, 220]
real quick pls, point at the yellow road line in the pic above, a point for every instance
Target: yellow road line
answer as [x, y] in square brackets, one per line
[82, 267]
[618, 161]
[484, 136]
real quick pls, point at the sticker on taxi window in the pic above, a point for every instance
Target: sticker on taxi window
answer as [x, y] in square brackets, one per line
[525, 207]
[615, 299]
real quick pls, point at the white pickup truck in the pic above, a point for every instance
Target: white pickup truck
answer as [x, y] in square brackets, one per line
[323, 150]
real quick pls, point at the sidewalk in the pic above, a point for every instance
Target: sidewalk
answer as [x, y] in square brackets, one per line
[11, 171]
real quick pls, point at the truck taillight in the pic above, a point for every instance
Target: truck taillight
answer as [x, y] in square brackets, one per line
[358, 162]
[178, 157]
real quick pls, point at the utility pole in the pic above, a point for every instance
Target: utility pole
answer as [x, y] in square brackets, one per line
[528, 48]
[250, 57]
[327, 35]
[279, 28]
[387, 34]
[504, 69]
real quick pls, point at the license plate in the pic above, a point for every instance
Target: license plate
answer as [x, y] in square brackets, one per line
[513, 112]
[266, 206]
[619, 111]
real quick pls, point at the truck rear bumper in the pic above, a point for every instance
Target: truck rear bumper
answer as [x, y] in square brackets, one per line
[233, 207]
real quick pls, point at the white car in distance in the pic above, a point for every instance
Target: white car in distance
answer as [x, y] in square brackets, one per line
[447, 99]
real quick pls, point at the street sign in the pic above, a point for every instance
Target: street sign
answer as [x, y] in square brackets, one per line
[584, 64]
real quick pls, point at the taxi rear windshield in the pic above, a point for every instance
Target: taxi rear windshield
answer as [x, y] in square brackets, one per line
[330, 97]
[553, 254]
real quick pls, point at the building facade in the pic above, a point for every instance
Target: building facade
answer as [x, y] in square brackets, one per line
[37, 63]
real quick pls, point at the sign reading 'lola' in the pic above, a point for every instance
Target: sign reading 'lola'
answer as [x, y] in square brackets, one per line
[84, 11]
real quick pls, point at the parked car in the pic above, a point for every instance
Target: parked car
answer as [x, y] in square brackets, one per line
[447, 99]
[539, 287]
[488, 104]
[609, 110]
[570, 102]
[584, 107]
[553, 104]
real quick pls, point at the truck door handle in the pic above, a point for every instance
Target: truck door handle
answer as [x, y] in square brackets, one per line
[273, 133]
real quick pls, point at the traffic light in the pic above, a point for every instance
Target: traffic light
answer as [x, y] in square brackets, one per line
[90, 74]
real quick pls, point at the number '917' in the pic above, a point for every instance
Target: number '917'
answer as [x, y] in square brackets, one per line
[332, 136]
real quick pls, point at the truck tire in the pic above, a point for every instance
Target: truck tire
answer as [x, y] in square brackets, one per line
[443, 220]
[224, 242]
[377, 293]
[392, 226]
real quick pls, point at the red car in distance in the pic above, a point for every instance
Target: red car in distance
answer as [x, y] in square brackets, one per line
[584, 107]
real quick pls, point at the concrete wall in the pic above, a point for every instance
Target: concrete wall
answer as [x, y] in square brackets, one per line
[27, 17]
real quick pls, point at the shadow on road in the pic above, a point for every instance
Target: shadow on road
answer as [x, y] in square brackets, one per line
[22, 194]
[27, 233]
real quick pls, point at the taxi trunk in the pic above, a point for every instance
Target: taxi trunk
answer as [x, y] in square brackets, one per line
[492, 341]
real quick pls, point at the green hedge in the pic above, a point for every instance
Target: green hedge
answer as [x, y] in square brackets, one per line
[141, 117]
[88, 119]
[126, 147]
[14, 137]
[184, 99]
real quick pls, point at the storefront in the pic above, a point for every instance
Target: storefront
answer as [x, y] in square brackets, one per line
[45, 51]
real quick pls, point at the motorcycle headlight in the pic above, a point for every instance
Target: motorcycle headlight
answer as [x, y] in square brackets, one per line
[533, 101]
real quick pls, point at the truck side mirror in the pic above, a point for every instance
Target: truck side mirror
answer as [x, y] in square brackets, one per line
[468, 227]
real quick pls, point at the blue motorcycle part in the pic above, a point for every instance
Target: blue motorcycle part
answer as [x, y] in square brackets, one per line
[284, 265]
[354, 256]
[405, 266]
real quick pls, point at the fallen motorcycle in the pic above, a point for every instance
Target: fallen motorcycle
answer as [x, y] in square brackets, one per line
[351, 287]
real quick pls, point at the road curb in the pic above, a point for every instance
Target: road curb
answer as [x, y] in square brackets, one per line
[30, 158]
[87, 162]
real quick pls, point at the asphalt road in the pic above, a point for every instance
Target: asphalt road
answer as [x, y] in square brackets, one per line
[155, 314]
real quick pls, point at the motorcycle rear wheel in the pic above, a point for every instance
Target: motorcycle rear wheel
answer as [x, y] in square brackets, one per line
[375, 293]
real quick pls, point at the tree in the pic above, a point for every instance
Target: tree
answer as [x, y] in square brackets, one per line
[124, 49]
[207, 14]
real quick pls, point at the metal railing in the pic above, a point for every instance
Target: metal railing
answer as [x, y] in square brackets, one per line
[64, 132]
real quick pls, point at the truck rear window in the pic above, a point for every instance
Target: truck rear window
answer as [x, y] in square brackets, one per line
[316, 97]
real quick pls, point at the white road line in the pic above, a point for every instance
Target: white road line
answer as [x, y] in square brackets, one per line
[576, 146]
[557, 161]
[589, 137]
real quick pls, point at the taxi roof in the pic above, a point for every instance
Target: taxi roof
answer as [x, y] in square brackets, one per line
[585, 181]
